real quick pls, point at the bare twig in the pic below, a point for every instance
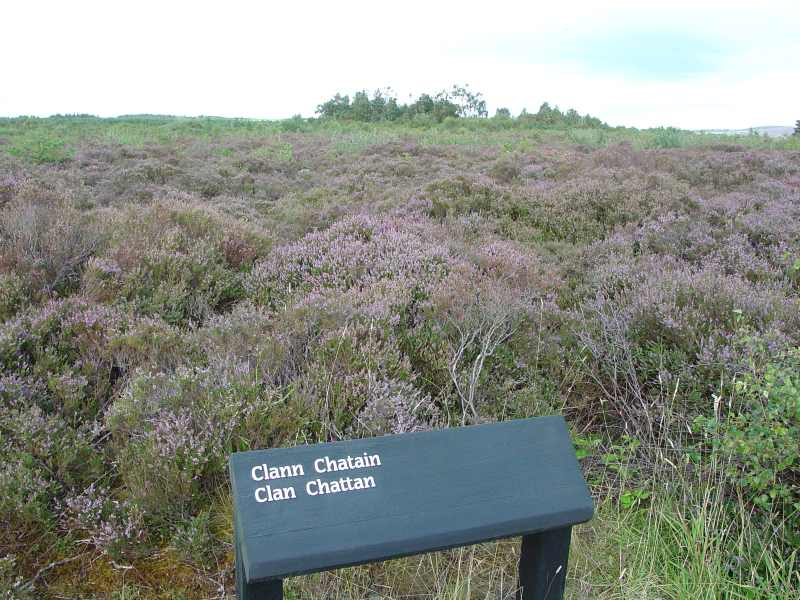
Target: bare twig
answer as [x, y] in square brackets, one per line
[488, 333]
[29, 585]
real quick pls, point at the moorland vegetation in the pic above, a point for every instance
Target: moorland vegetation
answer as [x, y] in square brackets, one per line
[173, 290]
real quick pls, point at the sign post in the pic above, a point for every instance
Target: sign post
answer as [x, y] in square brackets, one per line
[315, 508]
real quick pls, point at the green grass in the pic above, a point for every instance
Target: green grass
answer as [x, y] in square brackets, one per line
[52, 139]
[689, 543]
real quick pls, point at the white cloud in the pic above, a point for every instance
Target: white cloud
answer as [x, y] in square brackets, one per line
[273, 60]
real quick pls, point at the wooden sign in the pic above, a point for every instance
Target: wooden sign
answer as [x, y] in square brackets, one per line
[314, 508]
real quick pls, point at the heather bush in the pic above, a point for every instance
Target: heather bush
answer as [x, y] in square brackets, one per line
[60, 449]
[671, 295]
[26, 495]
[137, 177]
[720, 171]
[661, 327]
[371, 263]
[182, 285]
[460, 196]
[505, 170]
[152, 343]
[274, 347]
[585, 209]
[44, 457]
[101, 522]
[297, 214]
[395, 406]
[480, 328]
[63, 348]
[176, 222]
[45, 241]
[172, 433]
[9, 186]
[12, 585]
[474, 314]
[71, 355]
[351, 376]
[174, 261]
[12, 295]
[167, 461]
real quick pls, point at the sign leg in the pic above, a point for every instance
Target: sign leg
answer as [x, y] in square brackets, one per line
[543, 565]
[237, 574]
[263, 590]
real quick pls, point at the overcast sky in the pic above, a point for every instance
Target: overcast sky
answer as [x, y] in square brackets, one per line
[687, 64]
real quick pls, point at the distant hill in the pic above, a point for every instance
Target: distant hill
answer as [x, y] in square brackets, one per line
[770, 130]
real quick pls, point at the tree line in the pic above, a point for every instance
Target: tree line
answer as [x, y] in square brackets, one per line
[458, 102]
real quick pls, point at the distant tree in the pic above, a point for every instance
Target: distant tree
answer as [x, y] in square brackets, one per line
[438, 107]
[443, 107]
[361, 108]
[336, 108]
[502, 113]
[551, 117]
[572, 117]
[422, 106]
[382, 106]
[590, 121]
[797, 127]
[470, 104]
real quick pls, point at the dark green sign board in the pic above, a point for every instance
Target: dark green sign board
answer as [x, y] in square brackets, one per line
[314, 508]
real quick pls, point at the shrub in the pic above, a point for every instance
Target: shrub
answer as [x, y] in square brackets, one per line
[194, 539]
[168, 459]
[9, 186]
[505, 170]
[473, 315]
[461, 196]
[657, 323]
[44, 457]
[667, 137]
[182, 286]
[172, 433]
[12, 295]
[276, 348]
[40, 148]
[26, 495]
[151, 343]
[12, 584]
[73, 354]
[357, 382]
[757, 437]
[585, 209]
[113, 527]
[45, 241]
[178, 262]
[63, 349]
[376, 260]
[395, 406]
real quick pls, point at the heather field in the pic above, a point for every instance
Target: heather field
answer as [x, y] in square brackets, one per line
[174, 290]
